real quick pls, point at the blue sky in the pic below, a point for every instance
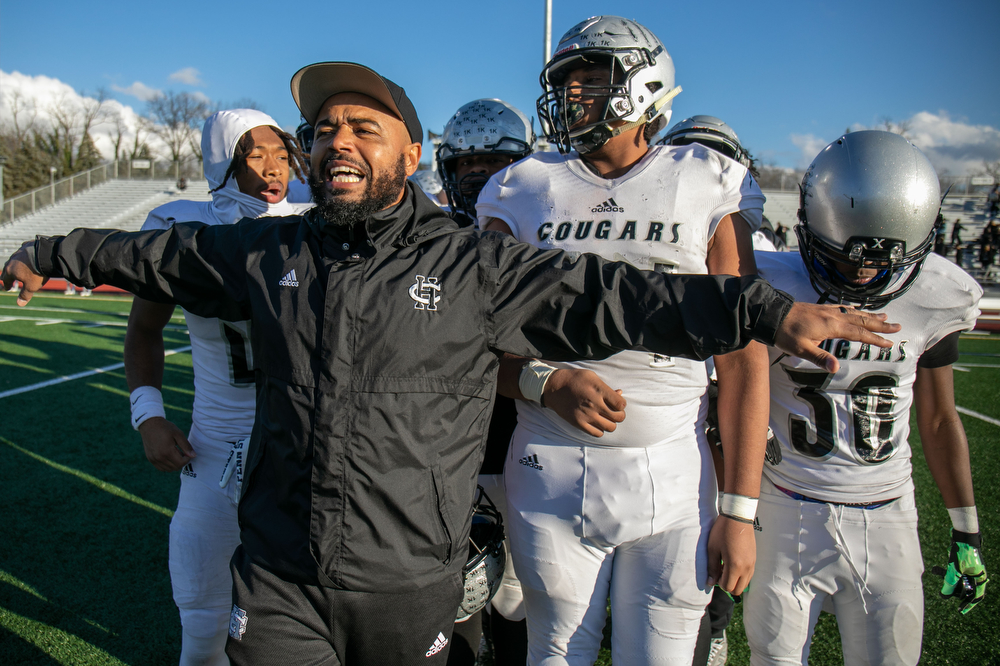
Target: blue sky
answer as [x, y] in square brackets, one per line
[788, 76]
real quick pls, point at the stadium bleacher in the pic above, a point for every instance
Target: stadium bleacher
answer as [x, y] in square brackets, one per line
[117, 204]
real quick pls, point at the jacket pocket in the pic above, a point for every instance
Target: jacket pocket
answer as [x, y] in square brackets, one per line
[442, 512]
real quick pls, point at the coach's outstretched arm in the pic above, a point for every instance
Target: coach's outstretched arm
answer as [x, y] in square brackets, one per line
[692, 316]
[193, 265]
[566, 306]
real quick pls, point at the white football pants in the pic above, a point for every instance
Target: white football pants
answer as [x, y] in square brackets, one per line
[204, 533]
[632, 523]
[864, 564]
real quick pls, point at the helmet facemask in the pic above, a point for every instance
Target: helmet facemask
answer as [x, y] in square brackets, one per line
[464, 193]
[896, 269]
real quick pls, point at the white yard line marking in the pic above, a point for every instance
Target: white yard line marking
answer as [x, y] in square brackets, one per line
[80, 375]
[103, 485]
[982, 417]
[974, 365]
[42, 321]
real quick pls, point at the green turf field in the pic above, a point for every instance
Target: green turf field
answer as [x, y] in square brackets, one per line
[84, 517]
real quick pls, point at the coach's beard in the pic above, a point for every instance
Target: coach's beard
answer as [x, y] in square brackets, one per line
[380, 193]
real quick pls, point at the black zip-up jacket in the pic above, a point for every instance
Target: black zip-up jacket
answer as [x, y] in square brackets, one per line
[376, 363]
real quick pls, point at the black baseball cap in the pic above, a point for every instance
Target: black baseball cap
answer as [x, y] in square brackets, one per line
[314, 84]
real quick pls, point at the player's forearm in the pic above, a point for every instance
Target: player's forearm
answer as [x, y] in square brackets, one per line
[144, 343]
[947, 453]
[743, 414]
[508, 375]
[143, 360]
[945, 446]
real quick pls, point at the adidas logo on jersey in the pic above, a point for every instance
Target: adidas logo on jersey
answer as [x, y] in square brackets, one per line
[531, 461]
[289, 280]
[609, 206]
[439, 644]
[756, 524]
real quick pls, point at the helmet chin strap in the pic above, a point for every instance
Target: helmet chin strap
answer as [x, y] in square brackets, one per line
[657, 105]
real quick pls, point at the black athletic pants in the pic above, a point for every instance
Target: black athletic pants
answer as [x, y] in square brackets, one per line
[281, 623]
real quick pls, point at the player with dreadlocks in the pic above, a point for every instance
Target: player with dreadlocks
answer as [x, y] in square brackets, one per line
[247, 160]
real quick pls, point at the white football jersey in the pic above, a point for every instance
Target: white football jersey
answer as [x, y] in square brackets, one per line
[224, 393]
[659, 216]
[843, 437]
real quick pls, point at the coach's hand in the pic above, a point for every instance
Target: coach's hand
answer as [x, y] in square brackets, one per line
[965, 578]
[584, 401]
[19, 268]
[165, 444]
[807, 325]
[732, 554]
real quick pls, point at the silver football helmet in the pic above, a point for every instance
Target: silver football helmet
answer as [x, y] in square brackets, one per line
[869, 199]
[708, 131]
[483, 572]
[479, 127]
[641, 89]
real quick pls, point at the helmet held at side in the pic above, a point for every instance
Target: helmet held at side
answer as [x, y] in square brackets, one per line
[481, 127]
[639, 90]
[708, 131]
[868, 201]
[483, 571]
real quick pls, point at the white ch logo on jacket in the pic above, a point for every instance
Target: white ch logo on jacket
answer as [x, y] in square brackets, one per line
[426, 293]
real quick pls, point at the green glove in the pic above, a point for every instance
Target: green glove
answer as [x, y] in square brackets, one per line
[965, 578]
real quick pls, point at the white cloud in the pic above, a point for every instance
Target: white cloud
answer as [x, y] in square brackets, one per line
[201, 97]
[138, 90]
[188, 75]
[810, 145]
[35, 97]
[952, 146]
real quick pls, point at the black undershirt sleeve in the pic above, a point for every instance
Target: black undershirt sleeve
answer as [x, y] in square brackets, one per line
[945, 352]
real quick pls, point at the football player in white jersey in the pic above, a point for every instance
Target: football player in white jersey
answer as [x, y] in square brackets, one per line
[483, 137]
[837, 515]
[247, 160]
[631, 513]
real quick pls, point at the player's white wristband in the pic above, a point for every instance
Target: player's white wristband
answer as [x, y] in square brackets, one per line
[532, 380]
[147, 402]
[964, 519]
[739, 507]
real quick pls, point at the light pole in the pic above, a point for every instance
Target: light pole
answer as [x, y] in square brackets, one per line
[548, 32]
[52, 184]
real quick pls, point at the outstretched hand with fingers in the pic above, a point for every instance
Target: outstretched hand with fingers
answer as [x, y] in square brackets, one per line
[808, 324]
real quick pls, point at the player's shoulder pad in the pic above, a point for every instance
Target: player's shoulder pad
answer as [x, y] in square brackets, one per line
[162, 217]
[945, 273]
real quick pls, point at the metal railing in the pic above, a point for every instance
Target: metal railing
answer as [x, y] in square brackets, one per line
[57, 190]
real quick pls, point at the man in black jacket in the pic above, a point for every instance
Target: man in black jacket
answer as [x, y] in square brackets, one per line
[377, 323]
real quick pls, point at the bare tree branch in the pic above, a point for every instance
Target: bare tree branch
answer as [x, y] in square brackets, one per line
[177, 118]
